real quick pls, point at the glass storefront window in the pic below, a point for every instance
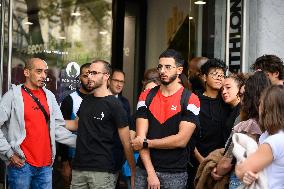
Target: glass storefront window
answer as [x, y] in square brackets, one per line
[65, 33]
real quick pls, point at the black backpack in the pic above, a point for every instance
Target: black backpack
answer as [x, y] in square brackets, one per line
[183, 101]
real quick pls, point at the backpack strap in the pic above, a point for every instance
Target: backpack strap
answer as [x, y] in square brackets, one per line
[184, 99]
[151, 95]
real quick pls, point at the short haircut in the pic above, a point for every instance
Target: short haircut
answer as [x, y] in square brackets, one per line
[86, 65]
[213, 64]
[171, 53]
[271, 117]
[107, 65]
[116, 70]
[254, 86]
[269, 63]
[29, 64]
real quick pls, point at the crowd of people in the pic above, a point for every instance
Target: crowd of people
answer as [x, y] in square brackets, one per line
[199, 128]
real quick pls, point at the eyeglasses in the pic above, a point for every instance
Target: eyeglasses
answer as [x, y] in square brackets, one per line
[215, 75]
[167, 67]
[118, 81]
[93, 73]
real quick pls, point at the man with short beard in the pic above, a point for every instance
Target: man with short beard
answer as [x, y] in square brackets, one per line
[164, 128]
[30, 123]
[69, 107]
[100, 118]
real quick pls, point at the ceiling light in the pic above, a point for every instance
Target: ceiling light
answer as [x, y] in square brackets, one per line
[200, 2]
[103, 32]
[190, 18]
[28, 23]
[75, 14]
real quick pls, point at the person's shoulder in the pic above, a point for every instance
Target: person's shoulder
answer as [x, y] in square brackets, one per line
[143, 95]
[193, 104]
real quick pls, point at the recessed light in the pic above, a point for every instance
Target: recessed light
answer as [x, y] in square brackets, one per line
[75, 14]
[28, 23]
[200, 2]
[103, 32]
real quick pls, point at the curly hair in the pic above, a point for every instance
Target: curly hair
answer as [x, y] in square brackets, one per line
[239, 78]
[254, 86]
[269, 63]
[213, 64]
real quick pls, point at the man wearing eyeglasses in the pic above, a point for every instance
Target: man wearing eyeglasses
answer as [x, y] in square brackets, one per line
[101, 117]
[213, 110]
[164, 128]
[116, 85]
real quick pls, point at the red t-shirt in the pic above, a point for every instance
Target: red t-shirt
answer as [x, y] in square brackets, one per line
[36, 146]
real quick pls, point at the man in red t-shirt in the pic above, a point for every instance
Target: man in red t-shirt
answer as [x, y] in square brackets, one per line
[164, 128]
[32, 127]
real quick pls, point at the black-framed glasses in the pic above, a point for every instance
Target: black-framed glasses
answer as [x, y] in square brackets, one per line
[93, 73]
[167, 67]
[216, 75]
[118, 81]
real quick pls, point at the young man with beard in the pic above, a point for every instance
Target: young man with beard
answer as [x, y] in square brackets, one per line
[164, 128]
[30, 123]
[69, 107]
[101, 117]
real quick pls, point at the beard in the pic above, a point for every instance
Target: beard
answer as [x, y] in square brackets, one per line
[87, 87]
[171, 79]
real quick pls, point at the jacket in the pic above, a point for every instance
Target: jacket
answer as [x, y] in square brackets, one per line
[12, 124]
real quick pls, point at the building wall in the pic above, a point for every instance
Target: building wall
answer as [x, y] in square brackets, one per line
[265, 29]
[159, 11]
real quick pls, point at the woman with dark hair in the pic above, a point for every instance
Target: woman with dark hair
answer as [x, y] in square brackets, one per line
[250, 100]
[231, 96]
[270, 154]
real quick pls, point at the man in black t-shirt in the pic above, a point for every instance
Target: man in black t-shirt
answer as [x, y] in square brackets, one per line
[101, 117]
[164, 128]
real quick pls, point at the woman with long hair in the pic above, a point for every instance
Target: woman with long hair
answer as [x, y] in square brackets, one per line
[270, 154]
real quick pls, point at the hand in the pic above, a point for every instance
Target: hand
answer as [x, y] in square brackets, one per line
[66, 171]
[137, 143]
[215, 175]
[249, 177]
[17, 161]
[153, 182]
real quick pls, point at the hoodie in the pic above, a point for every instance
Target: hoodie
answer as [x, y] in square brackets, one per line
[212, 116]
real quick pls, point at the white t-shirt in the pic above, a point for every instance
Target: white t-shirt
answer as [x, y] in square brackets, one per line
[275, 171]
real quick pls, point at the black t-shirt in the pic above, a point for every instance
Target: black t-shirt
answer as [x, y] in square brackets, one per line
[99, 120]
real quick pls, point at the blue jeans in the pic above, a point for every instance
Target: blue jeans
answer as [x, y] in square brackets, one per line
[29, 176]
[167, 180]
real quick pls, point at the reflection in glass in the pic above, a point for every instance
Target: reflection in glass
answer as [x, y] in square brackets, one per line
[60, 32]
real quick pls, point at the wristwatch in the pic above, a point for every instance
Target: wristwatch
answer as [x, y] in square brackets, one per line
[145, 143]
